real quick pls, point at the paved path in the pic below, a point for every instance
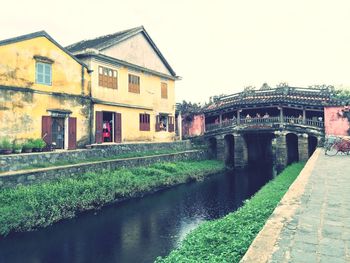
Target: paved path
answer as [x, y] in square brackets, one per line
[312, 222]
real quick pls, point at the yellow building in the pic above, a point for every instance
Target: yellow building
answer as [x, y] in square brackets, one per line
[132, 87]
[44, 92]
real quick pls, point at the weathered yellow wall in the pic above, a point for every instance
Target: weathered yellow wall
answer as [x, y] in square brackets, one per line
[17, 67]
[149, 97]
[21, 112]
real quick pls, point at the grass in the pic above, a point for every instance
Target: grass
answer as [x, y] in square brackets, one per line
[29, 207]
[97, 159]
[227, 239]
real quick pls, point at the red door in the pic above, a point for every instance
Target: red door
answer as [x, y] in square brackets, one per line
[72, 133]
[46, 129]
[117, 127]
[99, 127]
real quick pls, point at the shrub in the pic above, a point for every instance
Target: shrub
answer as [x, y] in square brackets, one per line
[16, 146]
[28, 144]
[39, 143]
[5, 144]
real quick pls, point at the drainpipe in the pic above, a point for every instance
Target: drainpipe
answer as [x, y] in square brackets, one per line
[92, 108]
[304, 116]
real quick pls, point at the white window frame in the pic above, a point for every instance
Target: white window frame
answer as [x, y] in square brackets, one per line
[44, 73]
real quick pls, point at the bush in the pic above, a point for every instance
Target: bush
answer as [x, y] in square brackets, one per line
[28, 144]
[16, 146]
[227, 239]
[5, 144]
[39, 143]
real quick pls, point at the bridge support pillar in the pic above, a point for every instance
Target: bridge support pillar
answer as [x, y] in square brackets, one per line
[220, 148]
[303, 147]
[240, 151]
[279, 145]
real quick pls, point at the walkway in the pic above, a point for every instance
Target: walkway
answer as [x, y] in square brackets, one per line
[312, 222]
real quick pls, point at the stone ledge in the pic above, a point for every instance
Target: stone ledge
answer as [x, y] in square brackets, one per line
[264, 244]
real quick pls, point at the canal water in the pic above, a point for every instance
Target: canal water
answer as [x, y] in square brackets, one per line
[137, 230]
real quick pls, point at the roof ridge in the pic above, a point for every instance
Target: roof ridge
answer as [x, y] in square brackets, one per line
[105, 36]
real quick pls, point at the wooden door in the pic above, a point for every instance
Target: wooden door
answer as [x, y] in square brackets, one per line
[99, 127]
[72, 133]
[117, 127]
[46, 129]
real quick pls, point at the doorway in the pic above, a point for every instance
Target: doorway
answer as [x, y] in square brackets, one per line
[107, 126]
[58, 132]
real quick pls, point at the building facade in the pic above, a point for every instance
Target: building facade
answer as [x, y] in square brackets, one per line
[133, 87]
[116, 88]
[44, 92]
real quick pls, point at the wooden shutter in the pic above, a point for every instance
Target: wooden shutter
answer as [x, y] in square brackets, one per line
[99, 127]
[72, 133]
[46, 129]
[164, 91]
[147, 124]
[117, 127]
[171, 124]
[157, 124]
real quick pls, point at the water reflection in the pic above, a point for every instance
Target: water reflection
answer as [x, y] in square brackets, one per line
[138, 230]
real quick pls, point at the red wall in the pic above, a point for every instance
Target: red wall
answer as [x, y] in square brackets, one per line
[335, 122]
[194, 127]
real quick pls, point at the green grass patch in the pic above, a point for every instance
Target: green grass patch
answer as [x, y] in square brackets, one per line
[227, 239]
[28, 207]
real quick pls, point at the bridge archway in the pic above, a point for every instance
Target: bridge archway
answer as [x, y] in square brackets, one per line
[312, 144]
[259, 147]
[229, 149]
[292, 148]
[213, 148]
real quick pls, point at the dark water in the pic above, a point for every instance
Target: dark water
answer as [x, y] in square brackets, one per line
[138, 230]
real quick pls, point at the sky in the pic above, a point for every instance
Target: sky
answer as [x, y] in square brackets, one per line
[217, 47]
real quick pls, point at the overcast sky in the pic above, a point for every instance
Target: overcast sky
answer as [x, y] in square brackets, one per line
[215, 46]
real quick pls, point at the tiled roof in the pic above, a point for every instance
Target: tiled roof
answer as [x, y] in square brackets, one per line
[39, 34]
[284, 95]
[103, 41]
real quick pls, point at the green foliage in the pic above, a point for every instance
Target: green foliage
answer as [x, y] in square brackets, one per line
[227, 239]
[343, 95]
[28, 207]
[28, 144]
[16, 146]
[5, 144]
[38, 143]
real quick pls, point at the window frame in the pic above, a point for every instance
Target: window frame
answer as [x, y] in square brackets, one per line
[107, 77]
[134, 83]
[43, 73]
[164, 90]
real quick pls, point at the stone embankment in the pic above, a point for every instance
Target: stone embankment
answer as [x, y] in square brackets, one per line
[15, 177]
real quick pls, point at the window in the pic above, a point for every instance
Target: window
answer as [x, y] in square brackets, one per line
[107, 78]
[144, 122]
[134, 83]
[164, 90]
[162, 122]
[43, 73]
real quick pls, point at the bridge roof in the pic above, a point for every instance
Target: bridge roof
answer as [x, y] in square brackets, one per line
[303, 97]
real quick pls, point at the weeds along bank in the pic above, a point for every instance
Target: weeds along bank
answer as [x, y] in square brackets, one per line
[227, 239]
[28, 207]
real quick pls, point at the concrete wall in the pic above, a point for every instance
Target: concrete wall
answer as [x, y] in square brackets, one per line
[20, 161]
[49, 174]
[336, 122]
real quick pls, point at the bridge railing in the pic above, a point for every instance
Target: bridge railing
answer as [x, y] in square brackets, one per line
[269, 120]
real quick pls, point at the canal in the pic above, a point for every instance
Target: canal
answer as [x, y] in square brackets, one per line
[137, 230]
